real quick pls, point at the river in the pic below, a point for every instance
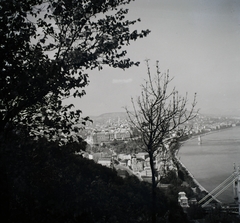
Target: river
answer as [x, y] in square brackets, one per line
[213, 161]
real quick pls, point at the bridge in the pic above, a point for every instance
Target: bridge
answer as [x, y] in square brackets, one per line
[234, 181]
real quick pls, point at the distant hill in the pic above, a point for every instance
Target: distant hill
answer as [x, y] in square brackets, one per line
[113, 116]
[122, 116]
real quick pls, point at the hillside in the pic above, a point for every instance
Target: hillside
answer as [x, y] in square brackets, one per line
[52, 184]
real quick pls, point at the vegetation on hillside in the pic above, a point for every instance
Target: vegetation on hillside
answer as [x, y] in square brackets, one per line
[48, 183]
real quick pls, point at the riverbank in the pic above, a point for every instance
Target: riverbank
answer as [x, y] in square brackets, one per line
[188, 173]
[188, 177]
[212, 162]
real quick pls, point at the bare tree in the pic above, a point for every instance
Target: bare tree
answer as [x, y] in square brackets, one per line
[160, 116]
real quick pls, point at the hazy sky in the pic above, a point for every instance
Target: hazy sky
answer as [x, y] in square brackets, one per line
[197, 40]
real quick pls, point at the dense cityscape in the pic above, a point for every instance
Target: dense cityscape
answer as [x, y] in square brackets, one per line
[112, 129]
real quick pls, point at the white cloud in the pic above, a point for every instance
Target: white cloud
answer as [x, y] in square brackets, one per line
[122, 81]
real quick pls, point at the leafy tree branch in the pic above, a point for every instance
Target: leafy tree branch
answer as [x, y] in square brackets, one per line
[46, 49]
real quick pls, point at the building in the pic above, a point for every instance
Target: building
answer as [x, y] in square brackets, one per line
[143, 155]
[183, 200]
[107, 136]
[122, 134]
[105, 161]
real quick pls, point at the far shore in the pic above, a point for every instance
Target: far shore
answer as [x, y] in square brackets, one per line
[209, 132]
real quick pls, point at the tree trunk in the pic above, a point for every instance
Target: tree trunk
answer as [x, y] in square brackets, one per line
[4, 190]
[153, 189]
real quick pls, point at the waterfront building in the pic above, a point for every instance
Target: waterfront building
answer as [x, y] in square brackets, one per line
[183, 200]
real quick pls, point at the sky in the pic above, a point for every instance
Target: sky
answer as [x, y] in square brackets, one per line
[198, 41]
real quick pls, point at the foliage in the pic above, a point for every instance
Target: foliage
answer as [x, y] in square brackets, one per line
[129, 147]
[195, 211]
[171, 178]
[46, 48]
[48, 183]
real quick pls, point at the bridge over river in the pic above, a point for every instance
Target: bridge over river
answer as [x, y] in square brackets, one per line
[232, 181]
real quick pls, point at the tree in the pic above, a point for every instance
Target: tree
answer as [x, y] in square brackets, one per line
[46, 49]
[160, 116]
[47, 46]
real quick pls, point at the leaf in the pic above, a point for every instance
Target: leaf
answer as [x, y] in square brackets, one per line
[48, 48]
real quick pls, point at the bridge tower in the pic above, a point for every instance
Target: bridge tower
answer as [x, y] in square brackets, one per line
[239, 195]
[236, 187]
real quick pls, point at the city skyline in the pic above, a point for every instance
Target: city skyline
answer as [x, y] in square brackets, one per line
[198, 41]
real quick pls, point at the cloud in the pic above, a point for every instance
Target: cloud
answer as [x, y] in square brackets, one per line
[122, 81]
